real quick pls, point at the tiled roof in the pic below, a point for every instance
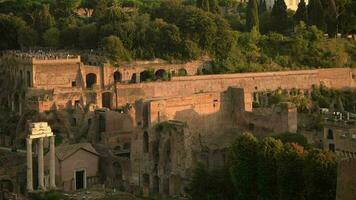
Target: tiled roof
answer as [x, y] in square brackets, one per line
[64, 151]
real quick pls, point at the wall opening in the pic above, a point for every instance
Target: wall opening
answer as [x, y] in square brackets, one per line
[155, 184]
[146, 180]
[145, 76]
[161, 74]
[330, 134]
[79, 179]
[106, 100]
[90, 80]
[117, 77]
[145, 142]
[133, 78]
[28, 78]
[332, 147]
[182, 72]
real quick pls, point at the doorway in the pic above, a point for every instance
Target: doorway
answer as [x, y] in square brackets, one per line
[80, 180]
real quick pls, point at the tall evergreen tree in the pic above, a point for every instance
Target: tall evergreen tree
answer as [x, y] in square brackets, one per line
[316, 14]
[301, 13]
[331, 18]
[279, 16]
[252, 15]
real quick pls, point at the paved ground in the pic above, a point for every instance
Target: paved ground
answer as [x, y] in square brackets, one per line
[100, 194]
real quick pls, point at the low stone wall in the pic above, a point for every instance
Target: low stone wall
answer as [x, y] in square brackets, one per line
[251, 82]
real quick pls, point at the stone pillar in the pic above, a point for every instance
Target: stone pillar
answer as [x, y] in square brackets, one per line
[138, 77]
[52, 167]
[29, 165]
[40, 164]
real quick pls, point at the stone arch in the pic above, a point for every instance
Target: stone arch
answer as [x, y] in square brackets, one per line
[106, 98]
[145, 76]
[161, 74]
[133, 78]
[330, 134]
[117, 77]
[145, 142]
[90, 80]
[182, 72]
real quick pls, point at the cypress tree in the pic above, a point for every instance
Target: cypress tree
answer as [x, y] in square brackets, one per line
[301, 13]
[252, 15]
[331, 19]
[316, 14]
[279, 16]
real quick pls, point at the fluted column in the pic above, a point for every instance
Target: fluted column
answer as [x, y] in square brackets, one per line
[40, 164]
[52, 167]
[29, 165]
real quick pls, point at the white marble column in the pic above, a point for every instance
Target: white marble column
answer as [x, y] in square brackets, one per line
[40, 164]
[52, 167]
[29, 165]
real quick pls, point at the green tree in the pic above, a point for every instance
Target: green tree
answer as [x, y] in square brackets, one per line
[51, 37]
[320, 174]
[88, 36]
[331, 18]
[114, 48]
[65, 8]
[252, 15]
[27, 37]
[10, 27]
[293, 138]
[279, 17]
[43, 19]
[262, 8]
[291, 172]
[69, 37]
[211, 184]
[316, 14]
[269, 150]
[203, 4]
[243, 166]
[301, 13]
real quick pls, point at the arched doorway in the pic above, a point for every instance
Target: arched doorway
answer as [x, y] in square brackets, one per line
[117, 174]
[90, 80]
[161, 74]
[182, 72]
[145, 76]
[106, 100]
[117, 77]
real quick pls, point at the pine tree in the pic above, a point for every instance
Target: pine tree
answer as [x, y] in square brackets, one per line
[279, 16]
[316, 14]
[301, 13]
[252, 15]
[331, 18]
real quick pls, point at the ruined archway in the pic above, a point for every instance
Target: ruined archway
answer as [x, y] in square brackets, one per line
[182, 72]
[90, 80]
[106, 100]
[145, 76]
[117, 77]
[161, 74]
